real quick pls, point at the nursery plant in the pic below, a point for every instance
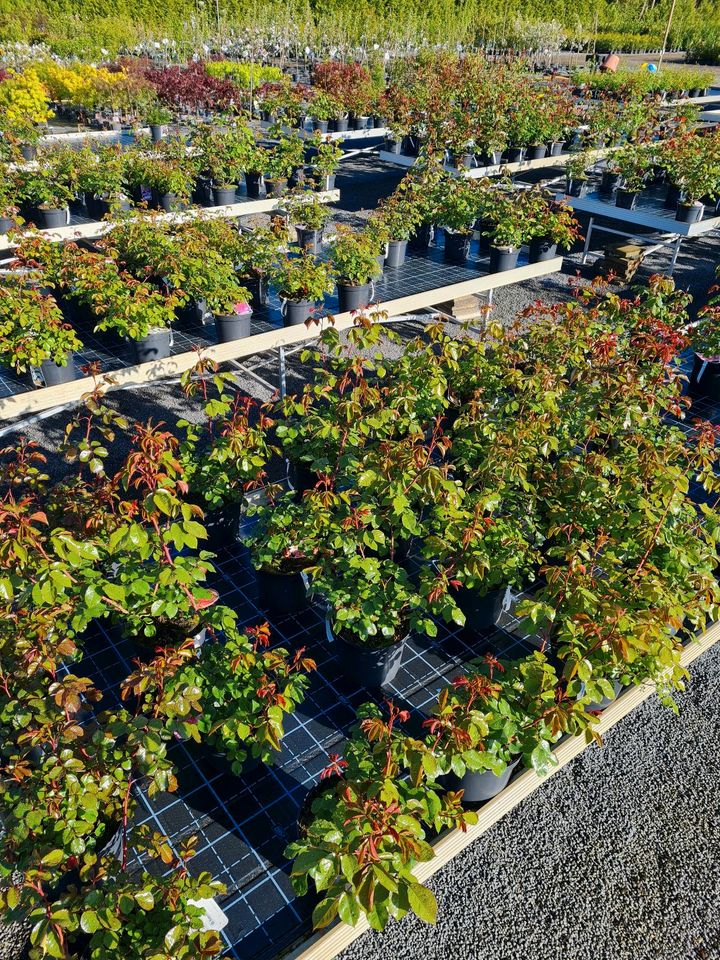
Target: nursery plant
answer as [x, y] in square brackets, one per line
[32, 328]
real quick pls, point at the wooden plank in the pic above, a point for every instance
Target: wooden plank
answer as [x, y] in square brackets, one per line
[32, 402]
[89, 231]
[326, 945]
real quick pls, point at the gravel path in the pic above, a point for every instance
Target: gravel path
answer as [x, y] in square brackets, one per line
[617, 857]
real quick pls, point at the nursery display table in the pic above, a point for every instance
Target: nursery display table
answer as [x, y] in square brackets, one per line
[342, 136]
[423, 281]
[660, 227]
[501, 169]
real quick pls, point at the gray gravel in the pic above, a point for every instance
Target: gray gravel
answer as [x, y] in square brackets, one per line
[617, 857]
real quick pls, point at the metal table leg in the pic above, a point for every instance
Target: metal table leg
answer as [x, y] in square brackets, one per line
[587, 240]
[676, 251]
[282, 372]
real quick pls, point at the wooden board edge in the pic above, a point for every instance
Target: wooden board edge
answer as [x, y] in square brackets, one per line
[35, 401]
[326, 945]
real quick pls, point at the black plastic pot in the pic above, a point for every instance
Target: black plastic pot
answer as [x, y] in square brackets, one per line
[297, 312]
[361, 123]
[224, 196]
[483, 226]
[191, 313]
[28, 151]
[326, 182]
[557, 147]
[540, 249]
[353, 296]
[576, 188]
[301, 477]
[372, 667]
[536, 152]
[411, 145]
[492, 158]
[253, 185]
[705, 379]
[609, 181]
[166, 201]
[232, 326]
[54, 374]
[222, 526]
[689, 212]
[281, 593]
[420, 240]
[479, 787]
[50, 218]
[672, 197]
[277, 187]
[503, 258]
[103, 207]
[514, 154]
[257, 287]
[457, 246]
[466, 160]
[393, 146]
[155, 346]
[396, 253]
[481, 611]
[6, 223]
[310, 240]
[339, 124]
[156, 132]
[626, 198]
[320, 125]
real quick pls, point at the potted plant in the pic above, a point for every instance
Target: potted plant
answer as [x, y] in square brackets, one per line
[309, 217]
[33, 334]
[284, 544]
[231, 696]
[506, 234]
[281, 161]
[171, 182]
[225, 154]
[576, 175]
[227, 457]
[354, 257]
[697, 177]
[632, 163]
[9, 206]
[400, 216]
[325, 159]
[373, 606]
[257, 255]
[303, 282]
[551, 223]
[46, 195]
[324, 107]
[157, 117]
[105, 184]
[457, 211]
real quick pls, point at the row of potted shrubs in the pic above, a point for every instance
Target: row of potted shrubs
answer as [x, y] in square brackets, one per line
[688, 163]
[424, 487]
[147, 274]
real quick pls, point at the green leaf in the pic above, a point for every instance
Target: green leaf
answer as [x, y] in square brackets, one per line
[348, 909]
[145, 899]
[422, 902]
[325, 912]
[89, 921]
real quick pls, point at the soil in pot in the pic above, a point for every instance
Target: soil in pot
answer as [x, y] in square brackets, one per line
[626, 199]
[457, 246]
[155, 346]
[420, 240]
[374, 667]
[49, 218]
[689, 212]
[54, 374]
[224, 196]
[480, 787]
[353, 296]
[296, 312]
[540, 249]
[310, 240]
[281, 594]
[396, 253]
[253, 185]
[232, 326]
[503, 258]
